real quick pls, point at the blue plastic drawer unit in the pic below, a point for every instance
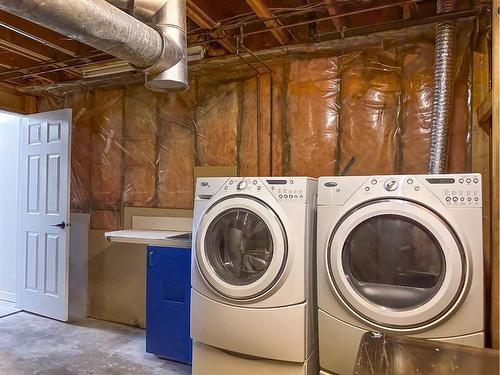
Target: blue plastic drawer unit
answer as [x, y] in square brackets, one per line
[167, 303]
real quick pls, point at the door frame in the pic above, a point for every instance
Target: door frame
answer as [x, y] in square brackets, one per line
[11, 297]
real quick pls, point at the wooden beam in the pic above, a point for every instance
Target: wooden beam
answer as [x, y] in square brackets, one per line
[12, 101]
[484, 110]
[333, 11]
[43, 35]
[22, 46]
[263, 12]
[204, 21]
[495, 163]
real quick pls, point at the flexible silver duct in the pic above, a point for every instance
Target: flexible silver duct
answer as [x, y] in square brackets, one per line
[171, 19]
[444, 61]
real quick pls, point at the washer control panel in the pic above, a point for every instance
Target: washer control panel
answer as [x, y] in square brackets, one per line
[283, 189]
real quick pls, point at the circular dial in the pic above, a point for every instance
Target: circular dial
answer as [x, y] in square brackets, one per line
[391, 184]
[242, 185]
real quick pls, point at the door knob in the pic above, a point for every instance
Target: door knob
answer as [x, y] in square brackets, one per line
[61, 225]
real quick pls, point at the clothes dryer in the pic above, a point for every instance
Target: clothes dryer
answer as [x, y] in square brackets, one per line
[398, 254]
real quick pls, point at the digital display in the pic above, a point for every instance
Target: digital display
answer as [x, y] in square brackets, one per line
[440, 180]
[330, 184]
[276, 182]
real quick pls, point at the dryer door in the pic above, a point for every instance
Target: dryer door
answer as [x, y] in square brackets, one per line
[241, 247]
[396, 264]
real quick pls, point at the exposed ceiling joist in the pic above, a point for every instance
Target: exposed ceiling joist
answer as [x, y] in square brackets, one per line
[407, 9]
[263, 12]
[204, 21]
[333, 11]
[22, 46]
[42, 35]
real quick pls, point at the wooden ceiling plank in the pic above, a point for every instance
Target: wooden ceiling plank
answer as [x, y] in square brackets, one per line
[333, 10]
[204, 21]
[263, 12]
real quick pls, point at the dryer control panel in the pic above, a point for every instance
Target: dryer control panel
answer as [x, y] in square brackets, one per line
[453, 190]
[456, 190]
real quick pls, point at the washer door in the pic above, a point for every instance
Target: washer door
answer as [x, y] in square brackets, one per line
[396, 264]
[241, 247]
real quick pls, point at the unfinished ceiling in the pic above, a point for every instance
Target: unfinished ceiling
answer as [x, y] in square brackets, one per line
[33, 56]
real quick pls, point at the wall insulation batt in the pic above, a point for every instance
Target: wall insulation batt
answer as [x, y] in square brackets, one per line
[367, 98]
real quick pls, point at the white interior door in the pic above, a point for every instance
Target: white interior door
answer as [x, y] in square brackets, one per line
[44, 211]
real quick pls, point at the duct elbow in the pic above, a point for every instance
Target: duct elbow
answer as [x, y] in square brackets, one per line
[170, 73]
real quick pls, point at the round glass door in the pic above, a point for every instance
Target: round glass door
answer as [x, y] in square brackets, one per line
[396, 264]
[241, 248]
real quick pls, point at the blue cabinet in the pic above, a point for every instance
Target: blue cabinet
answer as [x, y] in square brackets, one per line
[167, 303]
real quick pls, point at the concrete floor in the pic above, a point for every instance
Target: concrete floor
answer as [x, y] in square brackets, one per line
[33, 345]
[7, 308]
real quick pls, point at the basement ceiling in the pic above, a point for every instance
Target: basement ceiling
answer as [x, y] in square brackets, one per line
[33, 56]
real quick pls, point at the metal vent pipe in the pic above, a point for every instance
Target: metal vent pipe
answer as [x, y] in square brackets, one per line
[141, 9]
[169, 16]
[171, 19]
[102, 26]
[444, 65]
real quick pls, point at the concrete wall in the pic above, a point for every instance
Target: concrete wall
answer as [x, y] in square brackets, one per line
[9, 159]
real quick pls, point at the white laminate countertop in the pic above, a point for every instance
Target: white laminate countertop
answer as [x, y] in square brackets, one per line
[151, 237]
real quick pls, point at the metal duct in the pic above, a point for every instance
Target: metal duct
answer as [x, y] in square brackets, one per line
[141, 9]
[171, 19]
[102, 26]
[444, 61]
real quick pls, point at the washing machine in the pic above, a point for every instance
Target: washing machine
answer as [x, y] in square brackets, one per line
[253, 284]
[398, 254]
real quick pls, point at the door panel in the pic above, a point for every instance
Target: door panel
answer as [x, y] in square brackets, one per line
[44, 202]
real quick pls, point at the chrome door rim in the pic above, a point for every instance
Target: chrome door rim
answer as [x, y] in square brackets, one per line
[280, 249]
[449, 294]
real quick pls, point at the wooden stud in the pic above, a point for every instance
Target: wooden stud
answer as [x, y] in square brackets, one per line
[495, 141]
[333, 11]
[204, 21]
[263, 12]
[484, 110]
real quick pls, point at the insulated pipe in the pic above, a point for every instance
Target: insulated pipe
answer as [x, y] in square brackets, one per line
[171, 19]
[444, 64]
[102, 26]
